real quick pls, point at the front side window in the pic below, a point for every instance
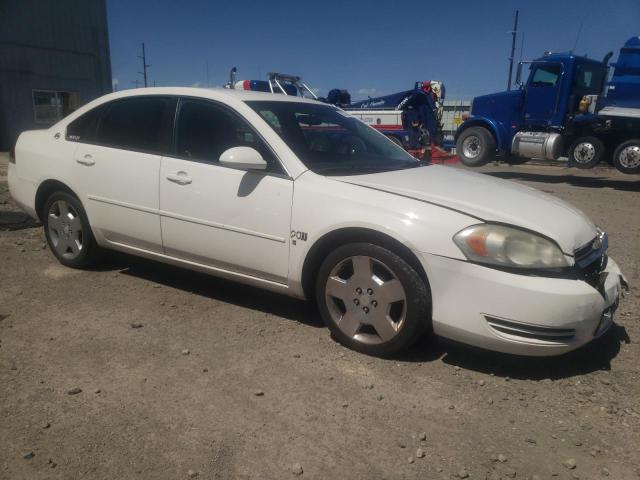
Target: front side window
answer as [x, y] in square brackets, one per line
[546, 75]
[330, 141]
[206, 130]
[136, 124]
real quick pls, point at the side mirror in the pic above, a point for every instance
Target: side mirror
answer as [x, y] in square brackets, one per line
[243, 158]
[519, 83]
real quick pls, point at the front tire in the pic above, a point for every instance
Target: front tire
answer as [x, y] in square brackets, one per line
[371, 299]
[68, 231]
[586, 152]
[626, 158]
[476, 147]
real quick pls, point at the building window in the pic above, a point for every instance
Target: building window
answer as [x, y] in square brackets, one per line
[50, 106]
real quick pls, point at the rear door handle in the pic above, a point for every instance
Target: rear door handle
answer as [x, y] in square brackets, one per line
[86, 160]
[180, 178]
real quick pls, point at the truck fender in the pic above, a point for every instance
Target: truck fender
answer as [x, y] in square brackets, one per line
[496, 128]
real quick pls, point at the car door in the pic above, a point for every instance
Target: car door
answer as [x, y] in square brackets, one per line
[542, 93]
[235, 220]
[116, 168]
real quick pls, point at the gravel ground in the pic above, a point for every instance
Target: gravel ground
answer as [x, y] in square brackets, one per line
[140, 370]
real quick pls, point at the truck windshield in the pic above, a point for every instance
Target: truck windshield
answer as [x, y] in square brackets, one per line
[330, 141]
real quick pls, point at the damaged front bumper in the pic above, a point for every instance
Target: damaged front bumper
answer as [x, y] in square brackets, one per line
[520, 314]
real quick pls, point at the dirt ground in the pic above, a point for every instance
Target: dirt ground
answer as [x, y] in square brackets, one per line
[183, 375]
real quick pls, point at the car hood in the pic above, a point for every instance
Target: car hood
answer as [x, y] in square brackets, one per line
[487, 198]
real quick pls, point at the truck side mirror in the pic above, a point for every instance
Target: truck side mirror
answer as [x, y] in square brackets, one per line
[519, 83]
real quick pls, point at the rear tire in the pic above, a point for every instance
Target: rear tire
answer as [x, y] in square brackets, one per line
[371, 299]
[68, 232]
[586, 152]
[626, 158]
[476, 147]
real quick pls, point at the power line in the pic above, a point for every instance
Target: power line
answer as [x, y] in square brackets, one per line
[144, 65]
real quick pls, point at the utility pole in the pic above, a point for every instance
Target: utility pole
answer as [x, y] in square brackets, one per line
[144, 65]
[514, 34]
[135, 82]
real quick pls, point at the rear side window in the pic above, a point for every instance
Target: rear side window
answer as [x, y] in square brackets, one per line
[589, 76]
[83, 129]
[137, 124]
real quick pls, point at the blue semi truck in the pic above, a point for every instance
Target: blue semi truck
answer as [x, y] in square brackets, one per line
[567, 107]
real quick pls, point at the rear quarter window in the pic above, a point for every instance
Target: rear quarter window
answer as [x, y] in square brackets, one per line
[83, 129]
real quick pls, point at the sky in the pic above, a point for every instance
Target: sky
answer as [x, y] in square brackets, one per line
[368, 47]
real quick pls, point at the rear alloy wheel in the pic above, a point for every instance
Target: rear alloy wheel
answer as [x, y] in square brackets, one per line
[371, 299]
[626, 158]
[586, 152]
[68, 232]
[476, 147]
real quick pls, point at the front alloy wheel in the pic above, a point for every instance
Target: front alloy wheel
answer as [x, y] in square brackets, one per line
[371, 299]
[365, 299]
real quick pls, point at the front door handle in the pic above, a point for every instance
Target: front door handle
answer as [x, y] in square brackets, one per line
[86, 160]
[180, 178]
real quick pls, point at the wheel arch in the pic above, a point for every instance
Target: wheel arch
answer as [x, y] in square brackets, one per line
[498, 132]
[45, 190]
[335, 238]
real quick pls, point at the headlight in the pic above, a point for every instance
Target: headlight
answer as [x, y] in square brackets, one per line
[509, 247]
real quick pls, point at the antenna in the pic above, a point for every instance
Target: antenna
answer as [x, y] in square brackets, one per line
[521, 45]
[514, 33]
[144, 65]
[575, 44]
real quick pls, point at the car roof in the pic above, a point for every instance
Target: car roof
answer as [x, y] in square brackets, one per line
[211, 93]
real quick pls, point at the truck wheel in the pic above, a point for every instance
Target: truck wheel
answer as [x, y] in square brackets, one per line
[476, 147]
[626, 158]
[586, 152]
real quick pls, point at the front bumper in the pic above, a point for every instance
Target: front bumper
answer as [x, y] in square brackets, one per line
[519, 314]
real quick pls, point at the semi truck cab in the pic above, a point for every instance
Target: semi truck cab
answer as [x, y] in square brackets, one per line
[555, 112]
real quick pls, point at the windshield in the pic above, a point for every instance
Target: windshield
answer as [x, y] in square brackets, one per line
[329, 141]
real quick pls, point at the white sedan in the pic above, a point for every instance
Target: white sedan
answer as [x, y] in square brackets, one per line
[297, 197]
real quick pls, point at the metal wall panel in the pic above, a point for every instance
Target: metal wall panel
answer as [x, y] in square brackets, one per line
[58, 45]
